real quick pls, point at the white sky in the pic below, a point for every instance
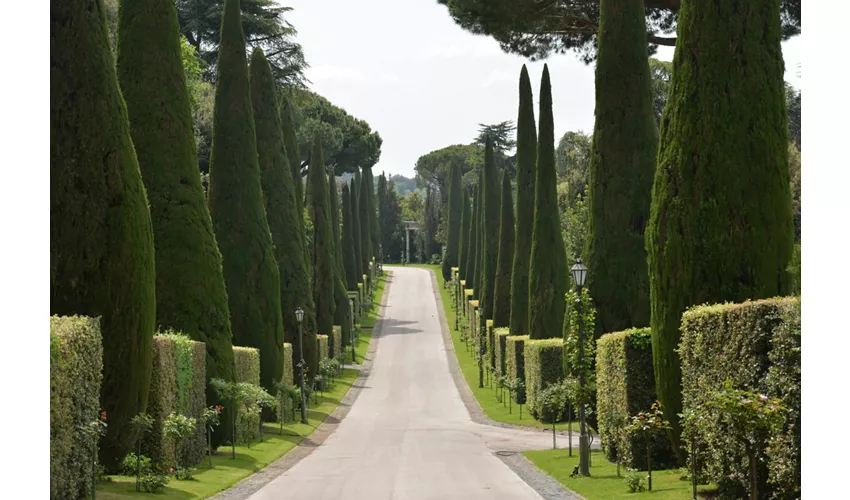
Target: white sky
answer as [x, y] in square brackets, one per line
[424, 83]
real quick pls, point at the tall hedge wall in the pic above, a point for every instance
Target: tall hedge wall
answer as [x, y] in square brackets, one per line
[336, 339]
[194, 448]
[162, 400]
[288, 366]
[76, 362]
[756, 345]
[515, 361]
[323, 346]
[489, 339]
[247, 361]
[625, 385]
[499, 345]
[543, 365]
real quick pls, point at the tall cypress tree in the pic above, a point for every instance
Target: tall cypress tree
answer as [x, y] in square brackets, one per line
[622, 163]
[342, 313]
[548, 280]
[190, 292]
[374, 230]
[526, 160]
[324, 261]
[481, 241]
[454, 216]
[490, 229]
[290, 140]
[101, 239]
[720, 225]
[463, 244]
[355, 217]
[472, 252]
[502, 292]
[348, 253]
[365, 223]
[282, 209]
[237, 208]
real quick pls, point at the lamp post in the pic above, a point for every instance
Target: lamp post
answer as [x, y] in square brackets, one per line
[299, 315]
[351, 334]
[579, 272]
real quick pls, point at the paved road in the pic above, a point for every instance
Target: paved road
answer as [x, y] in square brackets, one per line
[408, 435]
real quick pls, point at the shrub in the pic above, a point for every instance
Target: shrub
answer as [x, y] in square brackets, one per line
[490, 340]
[162, 401]
[337, 341]
[288, 367]
[153, 483]
[515, 362]
[128, 466]
[543, 366]
[625, 385]
[247, 361]
[323, 346]
[756, 345]
[500, 336]
[178, 427]
[634, 482]
[75, 376]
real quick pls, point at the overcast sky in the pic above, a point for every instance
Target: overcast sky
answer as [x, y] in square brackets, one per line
[424, 83]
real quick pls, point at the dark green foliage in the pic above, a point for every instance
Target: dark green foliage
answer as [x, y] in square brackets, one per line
[548, 280]
[463, 242]
[237, 208]
[755, 345]
[472, 252]
[479, 239]
[349, 257]
[515, 362]
[526, 158]
[374, 228]
[502, 286]
[454, 215]
[324, 261]
[162, 400]
[190, 292]
[543, 366]
[500, 336]
[194, 448]
[622, 163]
[290, 140]
[365, 220]
[342, 312]
[358, 234]
[720, 225]
[281, 203]
[75, 378]
[101, 239]
[389, 218]
[490, 229]
[625, 385]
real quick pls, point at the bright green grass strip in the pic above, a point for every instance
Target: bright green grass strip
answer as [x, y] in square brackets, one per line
[368, 322]
[603, 482]
[495, 410]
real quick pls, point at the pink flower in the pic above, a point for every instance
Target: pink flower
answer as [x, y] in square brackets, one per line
[762, 398]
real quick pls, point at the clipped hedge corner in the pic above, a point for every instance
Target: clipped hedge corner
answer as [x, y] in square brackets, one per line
[500, 336]
[323, 346]
[247, 361]
[515, 362]
[543, 365]
[625, 385]
[76, 366]
[336, 341]
[162, 400]
[288, 367]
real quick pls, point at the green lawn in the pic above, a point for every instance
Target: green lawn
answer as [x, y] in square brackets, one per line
[603, 482]
[368, 322]
[228, 471]
[495, 410]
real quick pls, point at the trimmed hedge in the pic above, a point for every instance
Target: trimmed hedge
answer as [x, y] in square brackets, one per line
[76, 365]
[489, 339]
[544, 364]
[336, 341]
[515, 361]
[247, 361]
[356, 297]
[756, 345]
[625, 385]
[323, 346]
[194, 448]
[288, 367]
[500, 336]
[162, 400]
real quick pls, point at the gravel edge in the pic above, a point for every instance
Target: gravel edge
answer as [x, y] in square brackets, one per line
[254, 482]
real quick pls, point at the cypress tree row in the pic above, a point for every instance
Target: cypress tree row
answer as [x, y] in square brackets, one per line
[490, 229]
[290, 140]
[526, 159]
[548, 282]
[282, 209]
[237, 208]
[348, 253]
[342, 313]
[355, 217]
[472, 251]
[454, 215]
[479, 242]
[324, 261]
[366, 249]
[101, 239]
[720, 223]
[622, 163]
[190, 292]
[502, 292]
[374, 229]
[463, 244]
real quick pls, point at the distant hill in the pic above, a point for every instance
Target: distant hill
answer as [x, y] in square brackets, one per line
[403, 185]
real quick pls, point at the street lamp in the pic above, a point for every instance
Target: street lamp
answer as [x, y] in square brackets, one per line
[351, 334]
[579, 272]
[299, 315]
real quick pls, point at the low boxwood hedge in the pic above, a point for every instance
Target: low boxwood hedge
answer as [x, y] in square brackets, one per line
[755, 345]
[515, 362]
[76, 364]
[323, 346]
[288, 367]
[247, 361]
[489, 339]
[499, 345]
[625, 385]
[544, 365]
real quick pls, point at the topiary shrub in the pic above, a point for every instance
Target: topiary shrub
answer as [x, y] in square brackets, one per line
[544, 365]
[356, 297]
[499, 346]
[515, 362]
[756, 346]
[194, 447]
[336, 341]
[323, 346]
[288, 367]
[162, 401]
[76, 363]
[490, 339]
[247, 361]
[625, 386]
